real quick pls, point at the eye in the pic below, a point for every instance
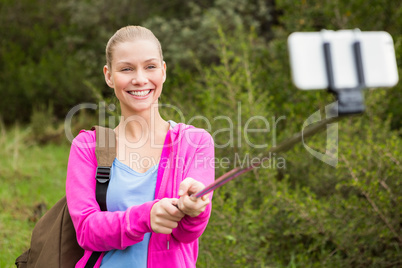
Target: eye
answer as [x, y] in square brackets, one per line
[150, 67]
[126, 69]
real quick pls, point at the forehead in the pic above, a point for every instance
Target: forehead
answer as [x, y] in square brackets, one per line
[139, 50]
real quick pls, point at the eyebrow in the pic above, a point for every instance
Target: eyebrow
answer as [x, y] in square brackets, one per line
[127, 62]
[152, 59]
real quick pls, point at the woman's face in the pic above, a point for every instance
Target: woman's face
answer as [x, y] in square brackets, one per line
[137, 75]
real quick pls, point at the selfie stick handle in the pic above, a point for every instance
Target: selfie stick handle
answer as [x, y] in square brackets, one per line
[350, 100]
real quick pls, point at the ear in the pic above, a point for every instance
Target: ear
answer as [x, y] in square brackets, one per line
[164, 71]
[108, 76]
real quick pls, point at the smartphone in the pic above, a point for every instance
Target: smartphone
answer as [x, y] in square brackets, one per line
[307, 59]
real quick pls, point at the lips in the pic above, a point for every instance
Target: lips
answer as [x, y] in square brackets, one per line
[139, 93]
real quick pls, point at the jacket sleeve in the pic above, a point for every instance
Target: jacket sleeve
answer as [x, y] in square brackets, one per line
[201, 167]
[99, 230]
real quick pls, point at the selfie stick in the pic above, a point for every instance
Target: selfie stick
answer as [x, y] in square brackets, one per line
[282, 147]
[350, 100]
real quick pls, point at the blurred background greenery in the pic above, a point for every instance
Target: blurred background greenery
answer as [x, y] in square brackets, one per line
[225, 58]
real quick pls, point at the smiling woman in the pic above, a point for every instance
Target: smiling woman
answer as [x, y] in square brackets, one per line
[137, 75]
[151, 217]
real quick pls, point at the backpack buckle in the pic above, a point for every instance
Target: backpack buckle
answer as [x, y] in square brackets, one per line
[102, 174]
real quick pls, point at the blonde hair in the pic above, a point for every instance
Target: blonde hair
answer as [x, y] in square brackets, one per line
[130, 33]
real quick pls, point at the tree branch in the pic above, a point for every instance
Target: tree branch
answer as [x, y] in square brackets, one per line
[372, 203]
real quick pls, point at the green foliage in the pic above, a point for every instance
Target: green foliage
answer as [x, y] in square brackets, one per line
[42, 124]
[308, 214]
[31, 180]
[193, 36]
[228, 72]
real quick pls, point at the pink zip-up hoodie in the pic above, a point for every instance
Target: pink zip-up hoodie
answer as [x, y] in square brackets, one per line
[189, 152]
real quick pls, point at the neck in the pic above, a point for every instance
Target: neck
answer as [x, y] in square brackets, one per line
[142, 125]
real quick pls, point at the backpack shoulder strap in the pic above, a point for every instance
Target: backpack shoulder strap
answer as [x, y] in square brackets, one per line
[105, 146]
[105, 154]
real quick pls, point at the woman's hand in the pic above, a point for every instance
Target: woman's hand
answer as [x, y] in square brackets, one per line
[188, 204]
[165, 215]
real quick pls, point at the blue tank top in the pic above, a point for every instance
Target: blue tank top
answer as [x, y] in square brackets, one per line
[127, 188]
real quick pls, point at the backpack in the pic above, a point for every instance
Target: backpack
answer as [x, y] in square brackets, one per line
[53, 242]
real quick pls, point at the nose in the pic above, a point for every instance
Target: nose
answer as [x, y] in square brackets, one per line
[139, 78]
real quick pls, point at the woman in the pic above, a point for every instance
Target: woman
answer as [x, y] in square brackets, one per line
[152, 219]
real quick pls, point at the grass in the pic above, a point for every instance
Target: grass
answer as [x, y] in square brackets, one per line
[32, 179]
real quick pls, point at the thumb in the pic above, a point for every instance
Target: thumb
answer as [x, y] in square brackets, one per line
[184, 186]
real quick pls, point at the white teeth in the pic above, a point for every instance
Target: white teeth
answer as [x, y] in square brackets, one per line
[139, 93]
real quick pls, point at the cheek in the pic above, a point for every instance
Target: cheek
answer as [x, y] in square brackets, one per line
[160, 79]
[120, 83]
[160, 86]
[119, 87]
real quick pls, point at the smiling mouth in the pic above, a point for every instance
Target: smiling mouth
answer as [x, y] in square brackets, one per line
[139, 93]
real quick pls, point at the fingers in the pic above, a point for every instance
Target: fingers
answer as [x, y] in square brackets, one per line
[169, 209]
[190, 186]
[166, 213]
[165, 216]
[184, 186]
[193, 206]
[205, 197]
[188, 204]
